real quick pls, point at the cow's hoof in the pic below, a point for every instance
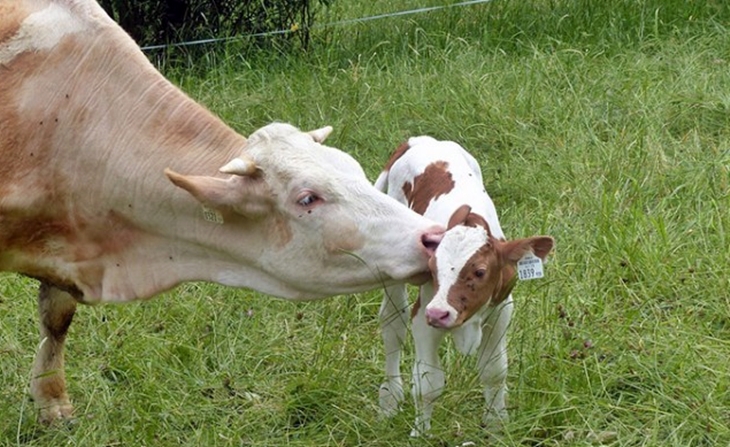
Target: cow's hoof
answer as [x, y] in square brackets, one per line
[56, 412]
[390, 398]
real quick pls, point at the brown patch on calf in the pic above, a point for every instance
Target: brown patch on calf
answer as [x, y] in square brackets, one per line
[435, 181]
[398, 153]
[509, 280]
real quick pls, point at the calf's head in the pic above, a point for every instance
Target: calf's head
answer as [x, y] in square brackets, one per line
[307, 220]
[472, 269]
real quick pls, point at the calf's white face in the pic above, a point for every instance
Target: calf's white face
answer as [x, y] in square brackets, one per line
[313, 207]
[472, 269]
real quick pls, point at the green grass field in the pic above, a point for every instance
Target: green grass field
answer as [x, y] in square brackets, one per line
[603, 124]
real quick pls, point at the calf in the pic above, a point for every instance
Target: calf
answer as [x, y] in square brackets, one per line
[473, 270]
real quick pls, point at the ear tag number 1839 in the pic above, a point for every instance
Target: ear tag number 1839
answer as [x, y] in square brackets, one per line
[530, 267]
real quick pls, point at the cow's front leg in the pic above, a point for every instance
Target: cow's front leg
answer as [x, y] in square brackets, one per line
[492, 364]
[48, 384]
[428, 376]
[393, 327]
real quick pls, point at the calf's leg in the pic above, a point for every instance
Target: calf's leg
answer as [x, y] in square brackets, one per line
[428, 375]
[56, 309]
[492, 364]
[393, 325]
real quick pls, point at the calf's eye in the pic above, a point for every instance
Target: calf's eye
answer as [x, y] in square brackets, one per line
[480, 273]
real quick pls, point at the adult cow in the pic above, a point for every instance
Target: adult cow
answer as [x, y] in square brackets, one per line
[87, 130]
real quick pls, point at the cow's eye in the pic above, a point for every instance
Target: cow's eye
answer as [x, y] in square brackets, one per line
[480, 273]
[307, 199]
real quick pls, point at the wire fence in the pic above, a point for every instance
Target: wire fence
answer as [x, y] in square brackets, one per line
[294, 28]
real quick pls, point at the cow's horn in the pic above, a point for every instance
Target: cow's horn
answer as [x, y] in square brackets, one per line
[239, 166]
[319, 135]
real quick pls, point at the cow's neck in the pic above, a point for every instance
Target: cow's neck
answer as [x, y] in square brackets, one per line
[118, 227]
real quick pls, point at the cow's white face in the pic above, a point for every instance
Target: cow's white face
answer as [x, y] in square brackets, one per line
[321, 228]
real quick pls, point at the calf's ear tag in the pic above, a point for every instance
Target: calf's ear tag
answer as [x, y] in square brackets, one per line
[530, 267]
[212, 215]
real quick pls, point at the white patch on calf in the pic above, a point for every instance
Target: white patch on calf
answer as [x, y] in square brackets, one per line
[456, 248]
[468, 336]
[41, 30]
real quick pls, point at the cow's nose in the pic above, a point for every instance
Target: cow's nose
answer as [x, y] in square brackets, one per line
[438, 317]
[431, 238]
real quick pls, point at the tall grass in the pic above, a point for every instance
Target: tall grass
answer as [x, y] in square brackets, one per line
[603, 124]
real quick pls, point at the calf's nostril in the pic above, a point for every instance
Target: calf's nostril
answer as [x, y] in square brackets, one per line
[437, 317]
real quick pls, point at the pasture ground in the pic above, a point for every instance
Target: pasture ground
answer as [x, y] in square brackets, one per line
[603, 124]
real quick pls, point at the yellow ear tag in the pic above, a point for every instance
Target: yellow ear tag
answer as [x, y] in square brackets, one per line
[212, 215]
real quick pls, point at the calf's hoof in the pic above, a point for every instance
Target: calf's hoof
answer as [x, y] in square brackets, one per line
[390, 398]
[493, 422]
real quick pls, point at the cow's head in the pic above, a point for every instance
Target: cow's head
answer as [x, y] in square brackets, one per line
[307, 220]
[472, 269]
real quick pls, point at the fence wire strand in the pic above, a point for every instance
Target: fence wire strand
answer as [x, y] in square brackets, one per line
[294, 28]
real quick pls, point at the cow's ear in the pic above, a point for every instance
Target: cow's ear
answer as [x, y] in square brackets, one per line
[319, 135]
[459, 216]
[245, 195]
[513, 251]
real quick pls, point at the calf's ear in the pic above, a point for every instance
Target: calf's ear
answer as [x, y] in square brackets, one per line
[464, 216]
[247, 195]
[512, 252]
[475, 220]
[540, 246]
[459, 216]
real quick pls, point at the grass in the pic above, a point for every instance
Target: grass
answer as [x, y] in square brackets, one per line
[604, 125]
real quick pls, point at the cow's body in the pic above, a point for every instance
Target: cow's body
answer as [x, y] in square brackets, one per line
[473, 273]
[87, 130]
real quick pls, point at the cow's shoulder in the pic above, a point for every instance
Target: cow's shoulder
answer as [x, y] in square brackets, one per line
[11, 16]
